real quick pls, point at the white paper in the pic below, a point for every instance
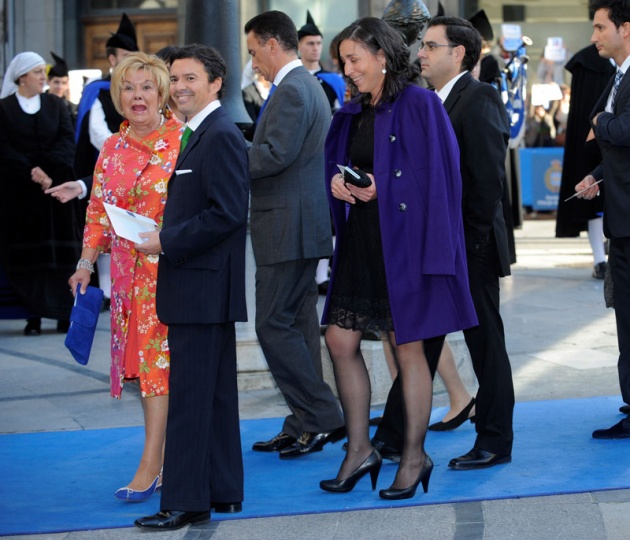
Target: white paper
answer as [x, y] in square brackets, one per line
[128, 224]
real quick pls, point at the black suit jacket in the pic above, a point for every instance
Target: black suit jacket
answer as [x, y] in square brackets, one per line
[612, 133]
[201, 273]
[482, 129]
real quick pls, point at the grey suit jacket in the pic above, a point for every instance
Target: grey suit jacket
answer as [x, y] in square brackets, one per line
[290, 219]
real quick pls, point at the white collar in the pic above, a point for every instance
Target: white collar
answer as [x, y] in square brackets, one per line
[30, 105]
[446, 89]
[285, 69]
[626, 64]
[196, 120]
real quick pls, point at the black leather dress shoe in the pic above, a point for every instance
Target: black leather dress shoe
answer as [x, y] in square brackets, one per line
[169, 520]
[625, 409]
[312, 442]
[227, 508]
[621, 430]
[478, 459]
[386, 451]
[279, 442]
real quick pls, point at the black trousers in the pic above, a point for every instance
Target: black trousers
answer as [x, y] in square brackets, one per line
[619, 260]
[486, 343]
[203, 460]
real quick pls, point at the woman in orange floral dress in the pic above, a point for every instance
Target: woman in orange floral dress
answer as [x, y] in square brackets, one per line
[132, 172]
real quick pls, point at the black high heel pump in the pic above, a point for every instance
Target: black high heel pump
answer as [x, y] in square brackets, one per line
[409, 492]
[372, 464]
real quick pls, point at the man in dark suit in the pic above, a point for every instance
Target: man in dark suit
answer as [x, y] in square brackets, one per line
[200, 294]
[450, 51]
[290, 228]
[611, 128]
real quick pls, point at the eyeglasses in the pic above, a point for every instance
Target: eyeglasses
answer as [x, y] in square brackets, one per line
[430, 46]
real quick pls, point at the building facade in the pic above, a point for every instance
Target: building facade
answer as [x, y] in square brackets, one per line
[77, 29]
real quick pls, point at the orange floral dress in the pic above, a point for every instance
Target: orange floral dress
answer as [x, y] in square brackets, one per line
[134, 175]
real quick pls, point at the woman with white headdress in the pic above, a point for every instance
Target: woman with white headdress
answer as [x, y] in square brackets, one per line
[40, 239]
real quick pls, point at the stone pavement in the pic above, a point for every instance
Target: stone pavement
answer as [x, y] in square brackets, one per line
[562, 344]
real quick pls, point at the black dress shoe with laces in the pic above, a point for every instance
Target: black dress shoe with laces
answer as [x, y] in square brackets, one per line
[621, 430]
[281, 441]
[478, 459]
[226, 508]
[170, 520]
[312, 442]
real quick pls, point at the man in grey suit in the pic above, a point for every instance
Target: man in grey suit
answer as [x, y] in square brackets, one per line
[290, 228]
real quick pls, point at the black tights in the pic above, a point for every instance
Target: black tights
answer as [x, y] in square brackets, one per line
[353, 384]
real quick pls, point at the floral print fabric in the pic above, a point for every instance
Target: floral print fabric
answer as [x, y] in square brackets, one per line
[134, 175]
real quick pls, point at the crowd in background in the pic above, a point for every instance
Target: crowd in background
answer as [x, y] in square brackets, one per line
[356, 157]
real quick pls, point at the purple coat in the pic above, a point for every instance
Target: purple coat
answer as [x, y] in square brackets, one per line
[419, 187]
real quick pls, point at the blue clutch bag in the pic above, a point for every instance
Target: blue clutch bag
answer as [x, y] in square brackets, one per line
[83, 321]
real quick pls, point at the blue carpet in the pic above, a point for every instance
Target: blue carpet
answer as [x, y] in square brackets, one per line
[64, 481]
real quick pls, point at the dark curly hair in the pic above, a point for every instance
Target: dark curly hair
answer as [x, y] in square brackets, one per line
[376, 35]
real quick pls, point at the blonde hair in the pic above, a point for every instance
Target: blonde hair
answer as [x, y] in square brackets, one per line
[134, 62]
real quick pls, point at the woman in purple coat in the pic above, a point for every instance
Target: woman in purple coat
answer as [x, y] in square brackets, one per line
[399, 264]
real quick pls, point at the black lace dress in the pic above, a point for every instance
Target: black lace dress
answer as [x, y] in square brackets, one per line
[359, 299]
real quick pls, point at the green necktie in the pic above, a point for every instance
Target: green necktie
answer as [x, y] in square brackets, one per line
[186, 135]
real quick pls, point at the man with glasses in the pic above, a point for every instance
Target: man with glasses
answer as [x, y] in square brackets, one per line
[450, 50]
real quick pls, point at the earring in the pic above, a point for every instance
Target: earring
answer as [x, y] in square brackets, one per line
[383, 71]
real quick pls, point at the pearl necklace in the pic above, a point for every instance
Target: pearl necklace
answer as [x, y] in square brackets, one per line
[128, 130]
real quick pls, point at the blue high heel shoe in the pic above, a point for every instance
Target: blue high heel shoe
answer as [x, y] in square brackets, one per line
[131, 495]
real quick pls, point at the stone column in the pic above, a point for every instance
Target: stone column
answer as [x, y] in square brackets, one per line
[217, 24]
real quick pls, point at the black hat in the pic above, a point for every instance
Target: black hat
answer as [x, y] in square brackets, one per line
[481, 23]
[59, 69]
[310, 28]
[125, 36]
[440, 11]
